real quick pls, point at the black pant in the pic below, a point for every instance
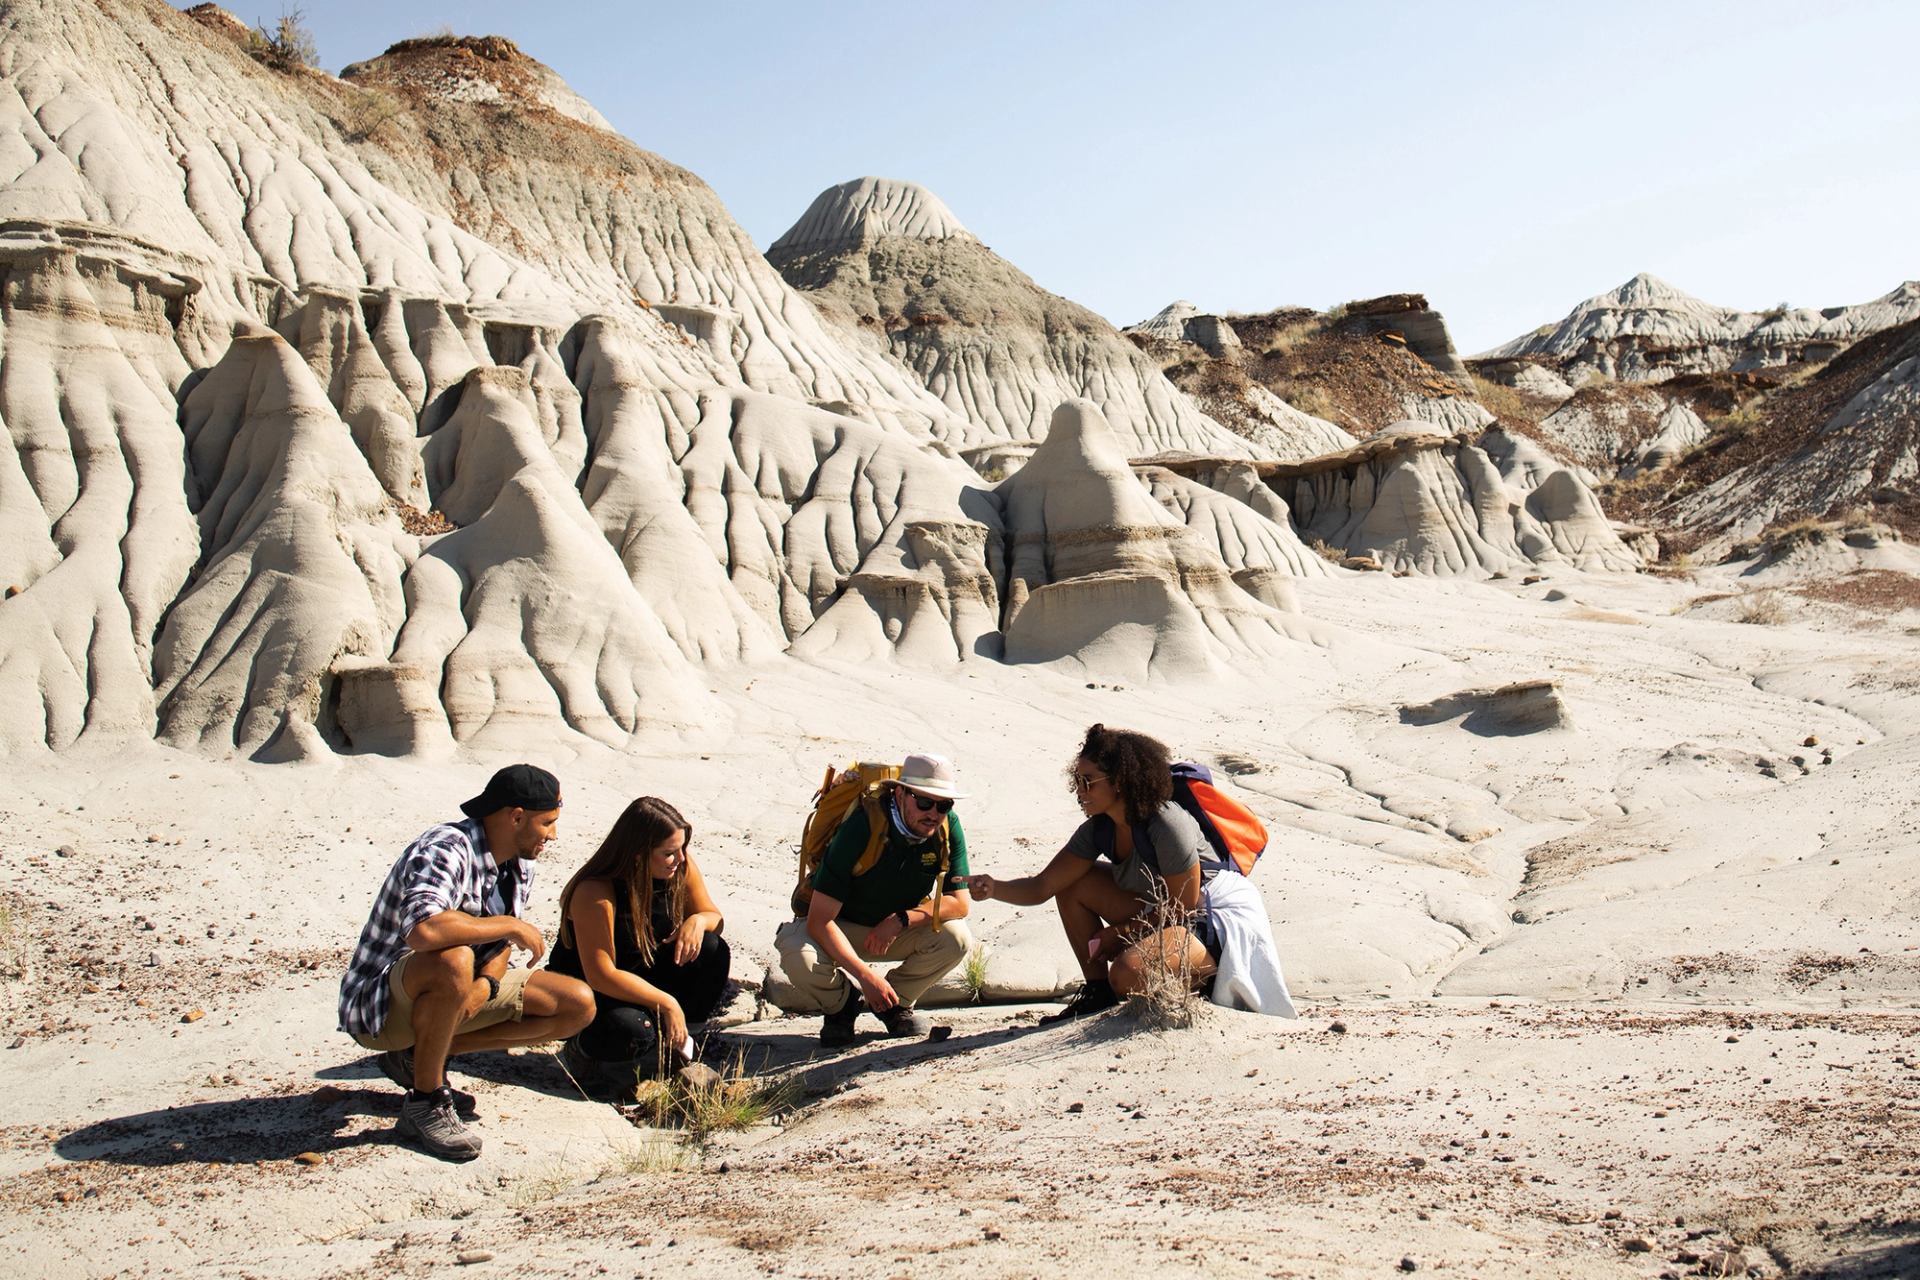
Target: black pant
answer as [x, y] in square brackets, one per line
[621, 1032]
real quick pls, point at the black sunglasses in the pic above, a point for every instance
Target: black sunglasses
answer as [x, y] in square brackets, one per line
[930, 805]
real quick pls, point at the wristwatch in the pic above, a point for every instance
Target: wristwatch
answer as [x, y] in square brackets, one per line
[901, 915]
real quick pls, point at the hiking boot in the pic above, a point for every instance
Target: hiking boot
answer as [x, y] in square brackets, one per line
[429, 1119]
[901, 1022]
[397, 1066]
[1093, 998]
[836, 1029]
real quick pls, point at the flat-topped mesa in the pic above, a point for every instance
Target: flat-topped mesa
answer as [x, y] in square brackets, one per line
[868, 209]
[1418, 326]
[890, 267]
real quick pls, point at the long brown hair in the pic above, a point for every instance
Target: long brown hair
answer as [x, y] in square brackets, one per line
[621, 860]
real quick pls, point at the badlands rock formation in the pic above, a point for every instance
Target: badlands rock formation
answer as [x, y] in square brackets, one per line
[1100, 573]
[1369, 364]
[1415, 500]
[415, 410]
[888, 261]
[1649, 331]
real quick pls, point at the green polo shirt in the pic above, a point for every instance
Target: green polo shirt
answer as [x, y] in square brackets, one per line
[902, 878]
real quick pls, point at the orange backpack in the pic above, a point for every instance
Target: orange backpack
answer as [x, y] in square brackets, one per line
[1229, 826]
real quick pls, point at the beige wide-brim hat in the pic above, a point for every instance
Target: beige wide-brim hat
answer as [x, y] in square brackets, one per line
[930, 775]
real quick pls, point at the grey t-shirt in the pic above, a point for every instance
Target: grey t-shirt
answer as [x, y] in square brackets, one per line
[1168, 843]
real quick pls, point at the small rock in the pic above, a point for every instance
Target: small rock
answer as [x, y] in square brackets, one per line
[698, 1075]
[1075, 1108]
[193, 1015]
[66, 1197]
[991, 1233]
[1637, 1245]
[1613, 1215]
[1733, 1039]
[1408, 1264]
[1338, 1028]
[309, 1157]
[1811, 741]
[1417, 1162]
[326, 1095]
[938, 1032]
[467, 1257]
[66, 851]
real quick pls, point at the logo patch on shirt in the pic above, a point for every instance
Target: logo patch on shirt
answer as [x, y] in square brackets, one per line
[930, 859]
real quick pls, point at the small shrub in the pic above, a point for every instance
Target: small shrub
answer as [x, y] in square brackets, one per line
[1336, 314]
[1760, 608]
[974, 971]
[369, 113]
[288, 45]
[1326, 550]
[739, 1101]
[649, 1157]
[11, 956]
[1166, 999]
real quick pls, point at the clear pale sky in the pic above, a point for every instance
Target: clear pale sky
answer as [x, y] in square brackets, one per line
[1507, 160]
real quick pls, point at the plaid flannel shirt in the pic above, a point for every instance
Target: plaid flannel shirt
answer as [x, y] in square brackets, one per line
[447, 869]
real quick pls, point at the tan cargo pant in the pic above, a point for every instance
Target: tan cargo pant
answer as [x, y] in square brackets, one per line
[925, 955]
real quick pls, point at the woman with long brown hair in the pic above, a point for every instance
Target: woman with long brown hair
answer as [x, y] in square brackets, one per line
[639, 927]
[1161, 901]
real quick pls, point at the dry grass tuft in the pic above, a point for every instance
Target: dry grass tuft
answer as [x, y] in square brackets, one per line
[739, 1101]
[1760, 608]
[1166, 1000]
[973, 971]
[1326, 550]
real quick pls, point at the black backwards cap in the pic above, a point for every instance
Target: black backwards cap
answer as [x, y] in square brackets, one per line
[518, 786]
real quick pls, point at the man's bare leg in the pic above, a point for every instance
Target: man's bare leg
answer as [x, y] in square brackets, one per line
[556, 1007]
[445, 994]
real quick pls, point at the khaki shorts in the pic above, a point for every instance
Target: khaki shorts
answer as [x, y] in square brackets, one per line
[509, 1006]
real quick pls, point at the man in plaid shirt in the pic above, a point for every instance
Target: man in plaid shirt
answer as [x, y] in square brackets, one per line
[429, 978]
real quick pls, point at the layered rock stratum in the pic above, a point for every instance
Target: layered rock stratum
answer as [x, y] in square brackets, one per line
[415, 409]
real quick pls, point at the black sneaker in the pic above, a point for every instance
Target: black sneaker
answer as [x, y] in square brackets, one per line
[836, 1029]
[397, 1066]
[901, 1022]
[429, 1119]
[1093, 998]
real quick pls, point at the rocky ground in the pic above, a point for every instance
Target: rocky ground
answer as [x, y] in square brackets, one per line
[1629, 994]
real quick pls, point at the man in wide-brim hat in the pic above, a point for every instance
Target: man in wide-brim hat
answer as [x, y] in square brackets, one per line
[906, 909]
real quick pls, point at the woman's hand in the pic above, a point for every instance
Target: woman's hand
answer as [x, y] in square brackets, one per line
[687, 939]
[673, 1025]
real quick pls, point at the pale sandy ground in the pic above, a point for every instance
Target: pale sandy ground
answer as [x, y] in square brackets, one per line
[1643, 966]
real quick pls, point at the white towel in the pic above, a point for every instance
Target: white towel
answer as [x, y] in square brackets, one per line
[1249, 976]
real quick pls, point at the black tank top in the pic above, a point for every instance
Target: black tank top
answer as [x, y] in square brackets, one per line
[565, 958]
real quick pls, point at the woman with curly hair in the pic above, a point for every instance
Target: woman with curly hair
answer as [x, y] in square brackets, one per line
[1161, 901]
[639, 927]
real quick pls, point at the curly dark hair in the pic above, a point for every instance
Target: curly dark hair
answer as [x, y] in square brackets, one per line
[1136, 765]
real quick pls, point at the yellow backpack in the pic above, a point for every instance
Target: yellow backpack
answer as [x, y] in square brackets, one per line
[865, 784]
